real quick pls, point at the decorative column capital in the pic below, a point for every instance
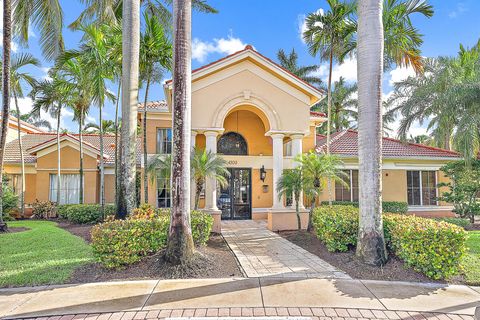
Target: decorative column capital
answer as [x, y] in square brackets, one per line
[297, 136]
[277, 136]
[211, 134]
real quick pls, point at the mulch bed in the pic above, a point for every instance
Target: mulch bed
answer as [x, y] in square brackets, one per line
[17, 229]
[394, 270]
[215, 260]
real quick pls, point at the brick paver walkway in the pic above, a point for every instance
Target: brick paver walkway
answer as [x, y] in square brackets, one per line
[262, 252]
[259, 313]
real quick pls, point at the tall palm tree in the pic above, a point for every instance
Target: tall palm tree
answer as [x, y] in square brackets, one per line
[289, 61]
[371, 243]
[17, 79]
[108, 126]
[330, 35]
[126, 200]
[52, 96]
[7, 37]
[344, 105]
[47, 17]
[155, 57]
[180, 248]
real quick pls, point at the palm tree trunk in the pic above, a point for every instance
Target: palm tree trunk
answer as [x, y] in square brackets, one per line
[127, 197]
[59, 178]
[297, 210]
[102, 165]
[198, 191]
[22, 166]
[80, 138]
[371, 244]
[145, 156]
[7, 37]
[180, 248]
[116, 141]
[329, 117]
[310, 216]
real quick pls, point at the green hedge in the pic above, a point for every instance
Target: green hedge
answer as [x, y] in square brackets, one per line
[388, 206]
[84, 213]
[461, 222]
[432, 247]
[121, 242]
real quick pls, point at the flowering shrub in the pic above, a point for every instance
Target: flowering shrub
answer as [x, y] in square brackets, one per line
[121, 242]
[434, 248]
[84, 213]
[44, 210]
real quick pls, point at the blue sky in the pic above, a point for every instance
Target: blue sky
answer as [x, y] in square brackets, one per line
[273, 24]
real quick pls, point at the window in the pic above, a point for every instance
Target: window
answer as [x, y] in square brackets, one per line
[15, 183]
[422, 188]
[232, 143]
[69, 188]
[164, 140]
[287, 148]
[350, 193]
[163, 192]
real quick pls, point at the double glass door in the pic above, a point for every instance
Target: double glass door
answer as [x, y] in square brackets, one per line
[235, 200]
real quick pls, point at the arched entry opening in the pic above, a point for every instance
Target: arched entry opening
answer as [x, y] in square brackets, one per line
[232, 143]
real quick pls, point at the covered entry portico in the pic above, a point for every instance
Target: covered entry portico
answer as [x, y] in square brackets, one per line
[256, 115]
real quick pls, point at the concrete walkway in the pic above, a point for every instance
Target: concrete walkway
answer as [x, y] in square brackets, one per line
[262, 253]
[328, 299]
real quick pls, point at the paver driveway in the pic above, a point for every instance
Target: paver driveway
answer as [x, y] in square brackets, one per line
[263, 253]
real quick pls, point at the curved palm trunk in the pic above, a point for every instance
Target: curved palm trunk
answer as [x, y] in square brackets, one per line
[145, 156]
[116, 141]
[329, 121]
[59, 178]
[102, 166]
[127, 198]
[22, 166]
[7, 37]
[180, 248]
[371, 244]
[80, 138]
[198, 191]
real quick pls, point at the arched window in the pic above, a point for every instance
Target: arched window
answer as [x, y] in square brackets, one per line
[232, 143]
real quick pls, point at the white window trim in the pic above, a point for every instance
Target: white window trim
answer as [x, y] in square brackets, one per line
[421, 189]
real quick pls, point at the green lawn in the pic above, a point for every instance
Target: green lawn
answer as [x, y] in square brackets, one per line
[471, 262]
[45, 254]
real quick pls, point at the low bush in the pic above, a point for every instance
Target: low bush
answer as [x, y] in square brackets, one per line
[44, 209]
[388, 206]
[461, 222]
[434, 248]
[121, 242]
[84, 213]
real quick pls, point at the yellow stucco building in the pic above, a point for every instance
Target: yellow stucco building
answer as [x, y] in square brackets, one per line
[257, 116]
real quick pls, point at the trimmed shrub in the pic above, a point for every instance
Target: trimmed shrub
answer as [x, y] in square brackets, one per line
[84, 213]
[336, 226]
[44, 209]
[121, 242]
[388, 206]
[461, 222]
[434, 248]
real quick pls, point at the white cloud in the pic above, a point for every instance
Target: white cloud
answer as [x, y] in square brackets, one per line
[400, 73]
[201, 49]
[347, 70]
[302, 24]
[45, 70]
[26, 105]
[458, 11]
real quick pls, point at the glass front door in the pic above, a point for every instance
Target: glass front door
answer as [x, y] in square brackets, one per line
[235, 200]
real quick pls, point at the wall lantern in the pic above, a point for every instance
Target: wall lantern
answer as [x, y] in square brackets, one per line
[263, 173]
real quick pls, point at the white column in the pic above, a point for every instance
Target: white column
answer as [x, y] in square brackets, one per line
[192, 183]
[277, 168]
[296, 150]
[211, 183]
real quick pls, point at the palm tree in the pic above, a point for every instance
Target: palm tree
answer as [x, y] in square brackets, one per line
[47, 17]
[292, 183]
[7, 37]
[155, 56]
[290, 62]
[206, 164]
[371, 243]
[52, 96]
[126, 199]
[180, 248]
[344, 105]
[108, 126]
[317, 167]
[17, 78]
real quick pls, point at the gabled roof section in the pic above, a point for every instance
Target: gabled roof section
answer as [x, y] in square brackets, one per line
[25, 126]
[64, 137]
[154, 106]
[345, 143]
[250, 54]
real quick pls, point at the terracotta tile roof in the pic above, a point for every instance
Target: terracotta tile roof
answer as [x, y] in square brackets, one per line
[250, 48]
[317, 114]
[345, 143]
[154, 106]
[12, 151]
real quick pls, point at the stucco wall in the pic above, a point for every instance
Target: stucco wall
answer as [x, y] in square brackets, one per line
[261, 199]
[394, 183]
